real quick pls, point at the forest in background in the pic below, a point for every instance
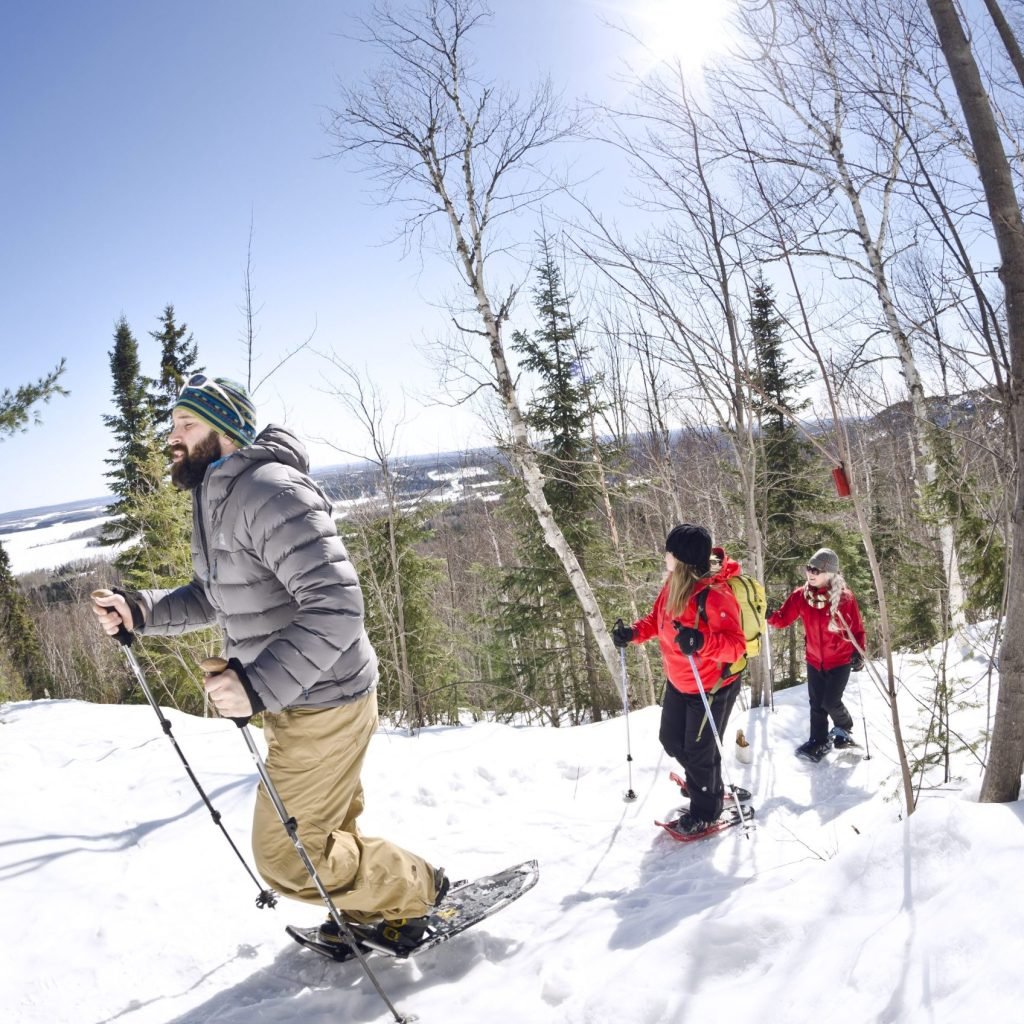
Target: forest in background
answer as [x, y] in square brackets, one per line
[818, 285]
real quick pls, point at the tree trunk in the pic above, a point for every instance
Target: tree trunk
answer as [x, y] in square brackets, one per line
[1006, 760]
[908, 363]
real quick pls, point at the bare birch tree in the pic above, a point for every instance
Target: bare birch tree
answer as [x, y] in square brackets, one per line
[364, 402]
[809, 84]
[461, 152]
[690, 277]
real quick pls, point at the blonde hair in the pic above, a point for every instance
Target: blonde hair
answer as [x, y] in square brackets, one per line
[836, 587]
[681, 581]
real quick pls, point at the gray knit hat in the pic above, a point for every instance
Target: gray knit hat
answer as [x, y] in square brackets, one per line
[825, 559]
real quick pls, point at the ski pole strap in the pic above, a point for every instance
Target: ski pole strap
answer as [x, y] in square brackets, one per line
[123, 635]
[214, 667]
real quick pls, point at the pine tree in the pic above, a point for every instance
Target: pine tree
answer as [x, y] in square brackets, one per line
[554, 654]
[151, 517]
[178, 355]
[18, 632]
[793, 507]
[134, 435]
[22, 666]
[964, 500]
[16, 406]
[162, 555]
[428, 641]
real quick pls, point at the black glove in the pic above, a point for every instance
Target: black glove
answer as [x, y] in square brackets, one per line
[857, 664]
[771, 608]
[689, 641]
[243, 677]
[622, 635]
[132, 598]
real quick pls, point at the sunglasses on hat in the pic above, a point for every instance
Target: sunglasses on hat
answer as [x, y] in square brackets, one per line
[200, 382]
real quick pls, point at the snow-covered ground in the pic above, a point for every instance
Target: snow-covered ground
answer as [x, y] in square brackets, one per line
[123, 902]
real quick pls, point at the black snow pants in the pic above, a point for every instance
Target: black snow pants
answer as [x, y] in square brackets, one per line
[825, 693]
[686, 736]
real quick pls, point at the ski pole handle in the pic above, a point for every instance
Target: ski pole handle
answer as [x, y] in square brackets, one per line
[214, 667]
[123, 636]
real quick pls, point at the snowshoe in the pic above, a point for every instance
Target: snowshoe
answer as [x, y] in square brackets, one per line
[686, 829]
[812, 750]
[743, 795]
[841, 739]
[459, 907]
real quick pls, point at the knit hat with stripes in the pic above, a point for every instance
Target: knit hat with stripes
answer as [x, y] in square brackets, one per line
[223, 404]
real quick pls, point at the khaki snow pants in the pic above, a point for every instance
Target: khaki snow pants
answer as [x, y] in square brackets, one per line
[314, 758]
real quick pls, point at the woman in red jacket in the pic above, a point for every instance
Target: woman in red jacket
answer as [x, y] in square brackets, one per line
[710, 638]
[834, 645]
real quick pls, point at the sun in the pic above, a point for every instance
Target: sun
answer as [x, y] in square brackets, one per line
[688, 32]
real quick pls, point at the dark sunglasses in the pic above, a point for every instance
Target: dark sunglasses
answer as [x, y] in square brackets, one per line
[813, 570]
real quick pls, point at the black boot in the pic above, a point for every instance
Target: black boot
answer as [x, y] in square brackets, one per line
[813, 750]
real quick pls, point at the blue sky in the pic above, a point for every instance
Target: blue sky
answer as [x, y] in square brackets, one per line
[139, 143]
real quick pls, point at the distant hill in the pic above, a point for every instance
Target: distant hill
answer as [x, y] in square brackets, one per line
[441, 476]
[53, 515]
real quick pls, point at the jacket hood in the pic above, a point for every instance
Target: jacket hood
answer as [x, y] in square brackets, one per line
[272, 444]
[275, 444]
[729, 566]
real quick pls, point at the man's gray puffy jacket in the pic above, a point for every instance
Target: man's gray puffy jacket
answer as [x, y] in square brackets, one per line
[272, 572]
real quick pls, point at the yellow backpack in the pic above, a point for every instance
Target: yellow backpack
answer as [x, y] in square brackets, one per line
[750, 596]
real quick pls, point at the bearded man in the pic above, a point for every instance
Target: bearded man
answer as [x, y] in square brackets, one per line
[272, 572]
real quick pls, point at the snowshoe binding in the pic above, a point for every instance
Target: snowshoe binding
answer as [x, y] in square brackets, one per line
[743, 795]
[841, 739]
[813, 750]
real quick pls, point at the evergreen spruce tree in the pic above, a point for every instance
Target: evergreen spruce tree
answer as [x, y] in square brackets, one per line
[151, 517]
[913, 576]
[794, 508]
[135, 439]
[16, 406]
[162, 555]
[549, 649]
[966, 502]
[22, 666]
[24, 656]
[428, 640]
[178, 355]
[161, 558]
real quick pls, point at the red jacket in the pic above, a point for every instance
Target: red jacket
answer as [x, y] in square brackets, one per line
[724, 641]
[825, 648]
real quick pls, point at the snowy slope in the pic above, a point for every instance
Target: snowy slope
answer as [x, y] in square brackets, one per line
[123, 902]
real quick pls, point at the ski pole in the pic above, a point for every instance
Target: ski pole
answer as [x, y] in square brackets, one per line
[863, 717]
[267, 897]
[721, 750]
[212, 667]
[768, 662]
[630, 795]
[848, 635]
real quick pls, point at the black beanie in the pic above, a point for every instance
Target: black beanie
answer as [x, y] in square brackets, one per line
[691, 545]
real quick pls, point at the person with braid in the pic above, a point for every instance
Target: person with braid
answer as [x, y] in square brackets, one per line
[834, 646]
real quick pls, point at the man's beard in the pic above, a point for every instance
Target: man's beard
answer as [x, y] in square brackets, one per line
[189, 470]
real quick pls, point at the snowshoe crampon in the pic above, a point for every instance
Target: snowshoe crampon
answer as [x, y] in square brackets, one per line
[465, 905]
